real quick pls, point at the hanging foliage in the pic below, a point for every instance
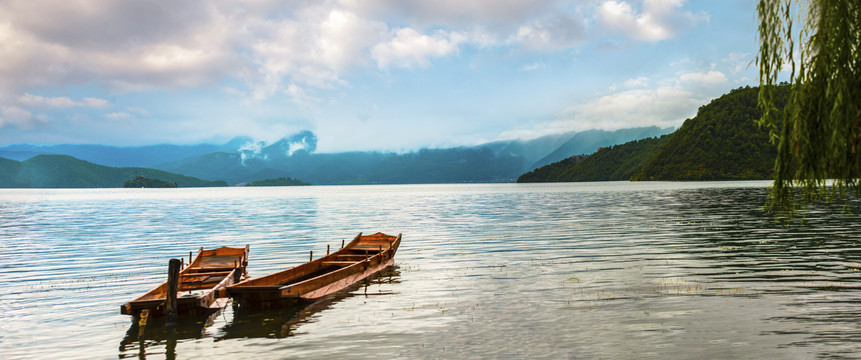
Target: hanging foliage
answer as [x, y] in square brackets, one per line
[819, 131]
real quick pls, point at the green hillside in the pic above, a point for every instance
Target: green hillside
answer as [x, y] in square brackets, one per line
[63, 171]
[723, 142]
[616, 163]
[552, 172]
[8, 172]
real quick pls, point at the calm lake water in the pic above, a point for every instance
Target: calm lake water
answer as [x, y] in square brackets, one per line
[589, 270]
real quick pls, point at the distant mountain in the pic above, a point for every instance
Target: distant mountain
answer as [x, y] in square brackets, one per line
[722, 142]
[63, 171]
[243, 160]
[616, 163]
[589, 141]
[425, 166]
[294, 156]
[144, 156]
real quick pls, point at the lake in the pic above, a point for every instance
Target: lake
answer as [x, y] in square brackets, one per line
[576, 270]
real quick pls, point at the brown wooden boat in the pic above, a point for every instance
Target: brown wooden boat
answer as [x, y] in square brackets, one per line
[198, 284]
[359, 259]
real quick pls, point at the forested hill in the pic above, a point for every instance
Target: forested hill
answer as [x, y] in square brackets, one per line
[63, 171]
[723, 142]
[615, 163]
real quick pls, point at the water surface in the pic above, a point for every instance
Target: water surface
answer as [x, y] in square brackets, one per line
[590, 270]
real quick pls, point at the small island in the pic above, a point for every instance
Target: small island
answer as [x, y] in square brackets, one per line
[282, 181]
[144, 182]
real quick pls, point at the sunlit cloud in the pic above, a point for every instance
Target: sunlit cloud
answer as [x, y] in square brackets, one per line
[657, 19]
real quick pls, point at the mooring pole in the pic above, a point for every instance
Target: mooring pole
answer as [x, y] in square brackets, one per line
[311, 256]
[172, 288]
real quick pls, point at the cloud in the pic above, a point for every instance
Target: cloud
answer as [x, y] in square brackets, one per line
[639, 81]
[738, 62]
[658, 19]
[299, 95]
[534, 66]
[118, 115]
[409, 48]
[666, 105]
[552, 33]
[499, 15]
[709, 78]
[36, 101]
[13, 115]
[145, 45]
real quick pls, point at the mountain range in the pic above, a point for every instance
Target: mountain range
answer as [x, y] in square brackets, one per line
[243, 160]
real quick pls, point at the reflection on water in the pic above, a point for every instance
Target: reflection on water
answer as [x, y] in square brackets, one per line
[283, 322]
[594, 270]
[156, 340]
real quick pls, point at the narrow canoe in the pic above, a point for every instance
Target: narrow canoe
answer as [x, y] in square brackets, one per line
[199, 282]
[362, 257]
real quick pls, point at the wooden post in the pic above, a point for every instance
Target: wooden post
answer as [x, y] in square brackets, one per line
[327, 249]
[172, 287]
[312, 256]
[342, 243]
[189, 257]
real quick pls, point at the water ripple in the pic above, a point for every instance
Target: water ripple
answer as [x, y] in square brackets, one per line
[593, 270]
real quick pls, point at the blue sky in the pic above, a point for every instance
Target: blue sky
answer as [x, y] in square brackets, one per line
[392, 75]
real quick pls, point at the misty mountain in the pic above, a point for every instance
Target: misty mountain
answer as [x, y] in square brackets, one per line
[121, 156]
[294, 156]
[243, 160]
[63, 171]
[588, 142]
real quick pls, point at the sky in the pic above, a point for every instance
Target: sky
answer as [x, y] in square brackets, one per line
[388, 75]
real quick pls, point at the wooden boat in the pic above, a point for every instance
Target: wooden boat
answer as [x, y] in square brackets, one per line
[362, 257]
[198, 285]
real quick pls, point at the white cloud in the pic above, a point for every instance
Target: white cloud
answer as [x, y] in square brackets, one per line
[738, 62]
[36, 101]
[118, 115]
[143, 46]
[139, 111]
[709, 78]
[658, 20]
[13, 115]
[30, 100]
[639, 81]
[534, 66]
[95, 102]
[409, 48]
[299, 95]
[553, 33]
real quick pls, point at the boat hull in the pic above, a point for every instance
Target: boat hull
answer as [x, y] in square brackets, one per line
[199, 285]
[362, 258]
